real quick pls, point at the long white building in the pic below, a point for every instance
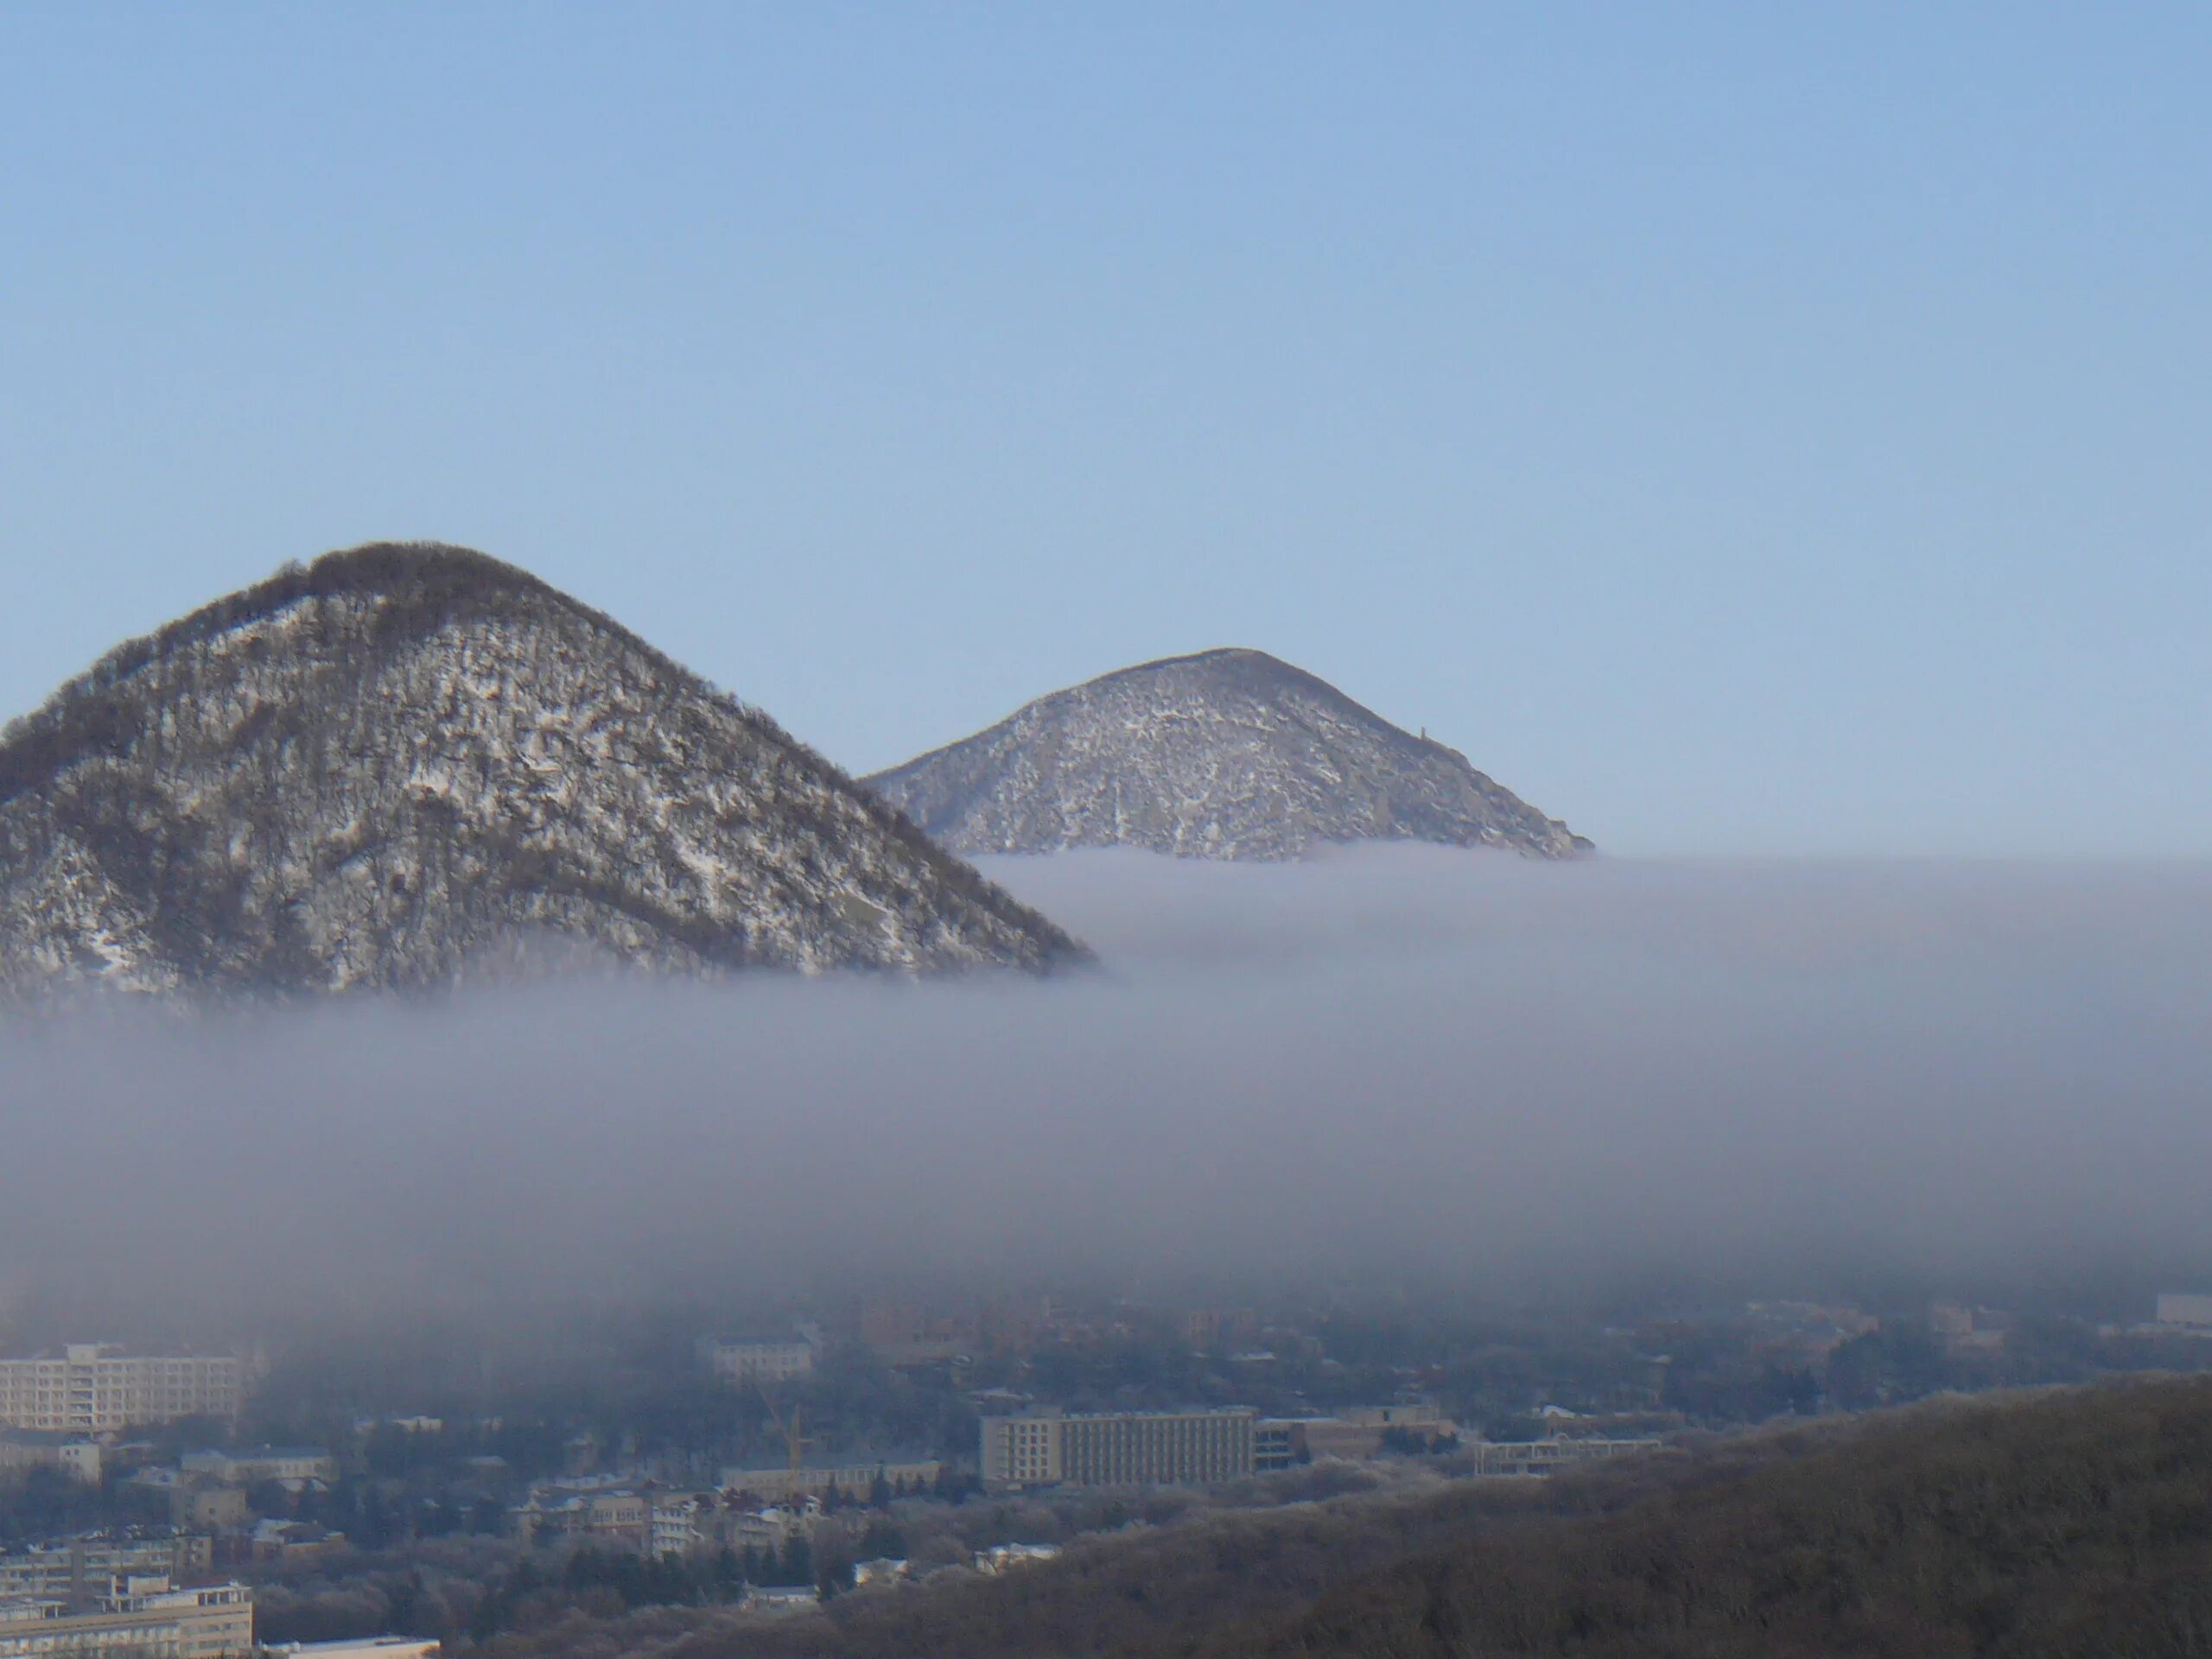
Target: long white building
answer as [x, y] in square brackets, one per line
[145, 1619]
[93, 1388]
[1134, 1448]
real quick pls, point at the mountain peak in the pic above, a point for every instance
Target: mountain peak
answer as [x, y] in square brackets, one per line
[1223, 753]
[402, 760]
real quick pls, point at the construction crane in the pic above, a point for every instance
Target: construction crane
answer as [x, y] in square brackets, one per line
[790, 1430]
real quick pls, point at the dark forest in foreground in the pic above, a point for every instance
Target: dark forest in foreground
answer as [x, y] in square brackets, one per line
[2069, 1523]
[2074, 1523]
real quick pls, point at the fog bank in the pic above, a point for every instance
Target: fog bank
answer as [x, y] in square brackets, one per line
[1450, 1067]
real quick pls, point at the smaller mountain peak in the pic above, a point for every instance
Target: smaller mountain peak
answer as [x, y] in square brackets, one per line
[1230, 654]
[1240, 666]
[1229, 752]
[1214, 656]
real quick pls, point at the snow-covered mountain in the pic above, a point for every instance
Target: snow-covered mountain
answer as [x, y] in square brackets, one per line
[1225, 754]
[403, 763]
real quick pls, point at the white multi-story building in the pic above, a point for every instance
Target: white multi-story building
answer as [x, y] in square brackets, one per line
[675, 1525]
[1134, 1449]
[95, 1387]
[146, 1619]
[733, 1361]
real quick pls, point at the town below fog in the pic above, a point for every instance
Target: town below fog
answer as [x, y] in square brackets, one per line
[454, 1484]
[599, 1317]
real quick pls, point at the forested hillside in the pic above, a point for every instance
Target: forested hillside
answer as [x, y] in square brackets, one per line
[2075, 1525]
[402, 761]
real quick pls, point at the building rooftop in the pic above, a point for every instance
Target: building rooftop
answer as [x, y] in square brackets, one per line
[356, 1644]
[1063, 1414]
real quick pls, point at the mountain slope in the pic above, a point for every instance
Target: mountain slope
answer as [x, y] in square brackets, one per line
[402, 760]
[1224, 754]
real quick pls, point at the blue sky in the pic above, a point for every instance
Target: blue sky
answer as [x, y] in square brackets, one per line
[1741, 429]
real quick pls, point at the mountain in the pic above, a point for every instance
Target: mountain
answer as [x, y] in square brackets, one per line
[404, 761]
[1225, 754]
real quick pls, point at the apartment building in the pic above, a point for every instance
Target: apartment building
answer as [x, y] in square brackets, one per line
[96, 1387]
[612, 1517]
[146, 1619]
[1142, 1448]
[33, 1448]
[81, 1570]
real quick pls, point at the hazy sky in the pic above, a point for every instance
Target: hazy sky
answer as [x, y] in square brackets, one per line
[1739, 428]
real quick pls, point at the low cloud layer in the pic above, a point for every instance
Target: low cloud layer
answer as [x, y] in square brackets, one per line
[1433, 1066]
